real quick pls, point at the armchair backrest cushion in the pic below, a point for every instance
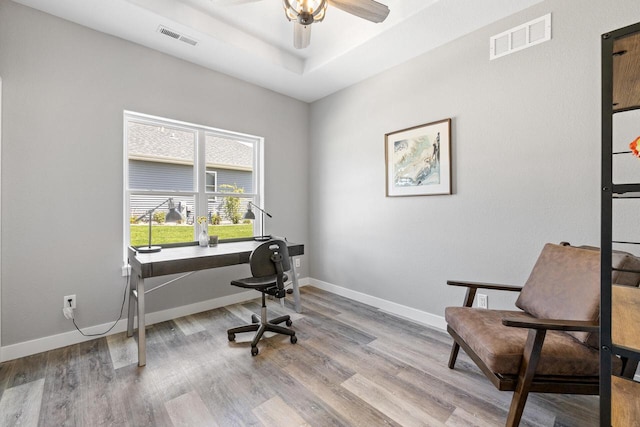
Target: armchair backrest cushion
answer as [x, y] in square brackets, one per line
[565, 284]
[622, 261]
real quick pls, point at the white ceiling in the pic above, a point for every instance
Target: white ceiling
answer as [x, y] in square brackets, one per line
[254, 41]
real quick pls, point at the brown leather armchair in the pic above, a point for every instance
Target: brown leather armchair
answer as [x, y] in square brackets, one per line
[551, 345]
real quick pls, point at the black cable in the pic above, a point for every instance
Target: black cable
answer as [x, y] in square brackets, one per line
[124, 298]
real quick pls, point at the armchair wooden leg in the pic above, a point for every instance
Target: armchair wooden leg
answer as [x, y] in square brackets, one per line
[468, 302]
[454, 355]
[530, 358]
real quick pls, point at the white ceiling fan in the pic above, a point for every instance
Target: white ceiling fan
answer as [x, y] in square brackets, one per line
[303, 13]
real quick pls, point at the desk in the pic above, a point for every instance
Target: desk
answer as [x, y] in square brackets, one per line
[187, 258]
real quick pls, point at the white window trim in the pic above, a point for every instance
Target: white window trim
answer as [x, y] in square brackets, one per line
[200, 194]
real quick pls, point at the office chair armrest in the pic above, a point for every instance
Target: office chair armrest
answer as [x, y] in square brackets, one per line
[552, 324]
[480, 285]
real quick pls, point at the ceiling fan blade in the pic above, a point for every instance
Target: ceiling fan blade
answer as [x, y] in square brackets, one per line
[301, 35]
[231, 2]
[370, 10]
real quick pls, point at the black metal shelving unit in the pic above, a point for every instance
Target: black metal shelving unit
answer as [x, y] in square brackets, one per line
[619, 397]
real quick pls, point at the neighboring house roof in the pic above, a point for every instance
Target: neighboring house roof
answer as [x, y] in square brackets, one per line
[172, 145]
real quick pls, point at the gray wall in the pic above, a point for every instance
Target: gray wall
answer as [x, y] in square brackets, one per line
[526, 162]
[64, 91]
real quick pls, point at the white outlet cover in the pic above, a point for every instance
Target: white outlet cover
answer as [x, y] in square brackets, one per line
[483, 301]
[65, 300]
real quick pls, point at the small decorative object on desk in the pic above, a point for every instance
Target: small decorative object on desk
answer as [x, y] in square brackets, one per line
[634, 147]
[213, 240]
[203, 236]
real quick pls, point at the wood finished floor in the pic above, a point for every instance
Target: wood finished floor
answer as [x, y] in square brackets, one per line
[353, 365]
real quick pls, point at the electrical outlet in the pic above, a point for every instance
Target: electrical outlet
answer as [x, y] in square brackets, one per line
[297, 260]
[483, 301]
[65, 302]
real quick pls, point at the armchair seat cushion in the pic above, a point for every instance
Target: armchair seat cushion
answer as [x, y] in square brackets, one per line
[501, 347]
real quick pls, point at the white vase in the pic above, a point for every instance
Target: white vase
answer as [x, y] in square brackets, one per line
[203, 238]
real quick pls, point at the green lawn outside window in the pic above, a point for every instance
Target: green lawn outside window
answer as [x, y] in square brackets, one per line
[181, 233]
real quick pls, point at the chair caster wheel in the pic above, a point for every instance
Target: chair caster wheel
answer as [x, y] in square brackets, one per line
[293, 339]
[289, 322]
[254, 319]
[254, 351]
[232, 337]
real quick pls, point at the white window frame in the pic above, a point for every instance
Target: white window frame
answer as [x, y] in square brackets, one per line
[200, 193]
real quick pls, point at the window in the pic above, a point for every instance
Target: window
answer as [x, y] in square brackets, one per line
[199, 171]
[212, 181]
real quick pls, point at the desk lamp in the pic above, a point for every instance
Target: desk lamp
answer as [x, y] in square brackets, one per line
[251, 215]
[172, 216]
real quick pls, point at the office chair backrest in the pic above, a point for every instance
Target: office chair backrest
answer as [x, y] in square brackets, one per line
[270, 258]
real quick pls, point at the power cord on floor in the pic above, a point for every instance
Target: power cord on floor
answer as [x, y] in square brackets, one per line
[124, 298]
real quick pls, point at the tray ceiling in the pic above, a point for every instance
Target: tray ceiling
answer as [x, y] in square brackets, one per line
[253, 41]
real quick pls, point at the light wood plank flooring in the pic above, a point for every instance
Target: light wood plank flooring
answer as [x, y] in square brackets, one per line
[353, 365]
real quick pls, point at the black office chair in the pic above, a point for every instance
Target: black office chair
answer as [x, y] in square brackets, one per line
[268, 263]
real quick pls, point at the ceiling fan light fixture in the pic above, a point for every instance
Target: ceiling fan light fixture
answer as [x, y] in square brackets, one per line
[305, 12]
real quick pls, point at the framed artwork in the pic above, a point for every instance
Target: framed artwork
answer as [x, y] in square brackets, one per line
[418, 160]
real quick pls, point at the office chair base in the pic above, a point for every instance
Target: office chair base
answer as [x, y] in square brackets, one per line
[261, 326]
[256, 319]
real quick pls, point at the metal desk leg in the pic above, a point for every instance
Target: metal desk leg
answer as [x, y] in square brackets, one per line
[296, 289]
[142, 344]
[133, 286]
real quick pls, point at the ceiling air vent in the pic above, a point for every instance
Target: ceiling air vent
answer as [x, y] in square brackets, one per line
[175, 35]
[521, 37]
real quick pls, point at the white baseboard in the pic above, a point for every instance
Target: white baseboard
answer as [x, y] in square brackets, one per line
[410, 313]
[39, 345]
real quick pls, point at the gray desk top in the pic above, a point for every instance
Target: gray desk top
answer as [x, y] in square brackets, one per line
[191, 257]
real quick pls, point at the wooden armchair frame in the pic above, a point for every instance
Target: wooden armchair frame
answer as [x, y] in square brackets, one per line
[526, 381]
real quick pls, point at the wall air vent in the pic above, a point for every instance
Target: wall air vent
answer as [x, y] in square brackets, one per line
[521, 37]
[175, 35]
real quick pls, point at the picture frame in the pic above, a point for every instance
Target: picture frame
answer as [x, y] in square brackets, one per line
[418, 160]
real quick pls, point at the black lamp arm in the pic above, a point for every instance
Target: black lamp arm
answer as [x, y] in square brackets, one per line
[260, 209]
[150, 211]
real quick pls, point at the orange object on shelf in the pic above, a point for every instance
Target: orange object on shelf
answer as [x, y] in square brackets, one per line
[634, 146]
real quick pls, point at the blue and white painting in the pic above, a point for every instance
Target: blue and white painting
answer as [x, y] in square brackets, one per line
[416, 161]
[419, 160]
